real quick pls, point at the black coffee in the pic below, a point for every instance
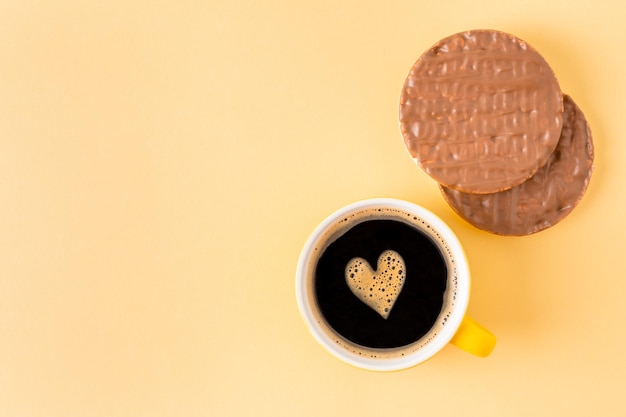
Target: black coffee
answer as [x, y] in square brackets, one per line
[419, 303]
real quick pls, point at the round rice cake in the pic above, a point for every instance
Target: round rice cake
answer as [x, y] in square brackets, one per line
[544, 199]
[481, 111]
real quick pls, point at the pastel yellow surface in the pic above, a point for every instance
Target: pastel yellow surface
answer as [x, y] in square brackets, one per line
[162, 164]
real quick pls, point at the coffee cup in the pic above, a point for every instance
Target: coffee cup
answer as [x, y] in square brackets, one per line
[383, 284]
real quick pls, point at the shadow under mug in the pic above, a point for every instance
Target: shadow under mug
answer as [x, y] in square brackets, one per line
[451, 325]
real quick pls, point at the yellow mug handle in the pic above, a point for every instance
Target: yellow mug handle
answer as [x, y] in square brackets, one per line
[474, 338]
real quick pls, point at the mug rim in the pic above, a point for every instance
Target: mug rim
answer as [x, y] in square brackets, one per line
[410, 359]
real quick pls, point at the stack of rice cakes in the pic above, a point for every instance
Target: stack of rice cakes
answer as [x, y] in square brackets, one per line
[483, 114]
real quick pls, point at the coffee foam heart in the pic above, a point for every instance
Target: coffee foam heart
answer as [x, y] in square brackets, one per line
[377, 289]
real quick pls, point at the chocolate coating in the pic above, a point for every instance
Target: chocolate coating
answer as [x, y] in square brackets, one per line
[481, 111]
[544, 199]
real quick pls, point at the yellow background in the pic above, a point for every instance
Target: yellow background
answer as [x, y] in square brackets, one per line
[162, 164]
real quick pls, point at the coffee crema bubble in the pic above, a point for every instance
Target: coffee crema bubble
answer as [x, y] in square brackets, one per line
[419, 301]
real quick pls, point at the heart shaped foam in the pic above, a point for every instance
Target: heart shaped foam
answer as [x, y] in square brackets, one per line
[377, 289]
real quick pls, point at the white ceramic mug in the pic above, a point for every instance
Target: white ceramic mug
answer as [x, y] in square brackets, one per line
[451, 326]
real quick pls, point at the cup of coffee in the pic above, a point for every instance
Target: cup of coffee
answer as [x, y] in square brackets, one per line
[383, 284]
